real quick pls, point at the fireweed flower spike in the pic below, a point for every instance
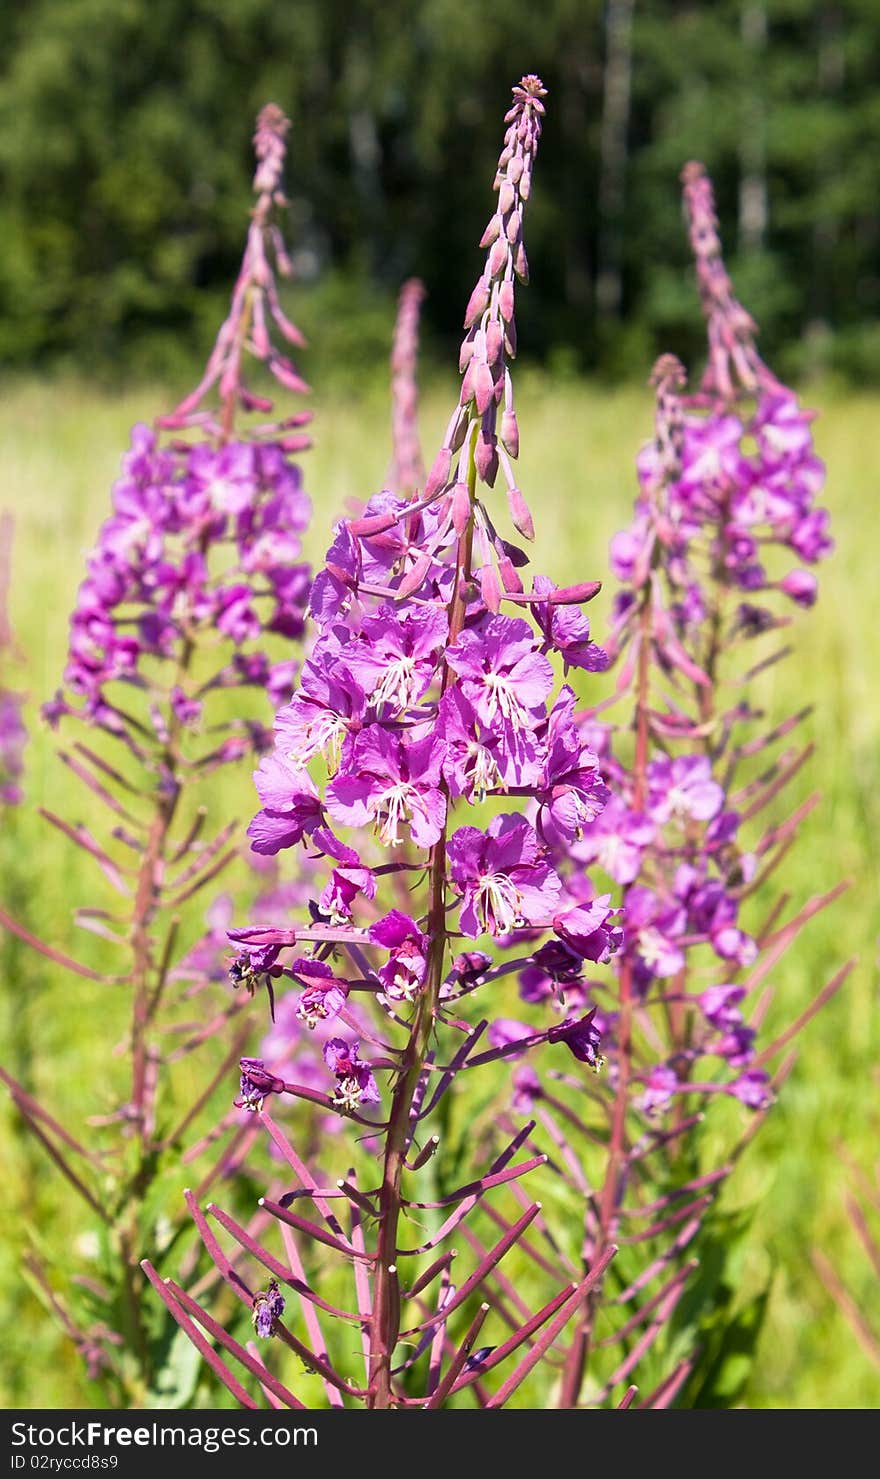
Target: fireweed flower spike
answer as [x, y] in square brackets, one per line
[422, 696]
[407, 472]
[196, 586]
[726, 487]
[13, 735]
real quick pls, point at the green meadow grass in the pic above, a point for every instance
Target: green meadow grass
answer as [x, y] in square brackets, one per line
[61, 447]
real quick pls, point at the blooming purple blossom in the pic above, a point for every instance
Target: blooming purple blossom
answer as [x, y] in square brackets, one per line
[502, 876]
[255, 1084]
[581, 1036]
[355, 1084]
[501, 673]
[324, 995]
[403, 974]
[268, 1309]
[391, 782]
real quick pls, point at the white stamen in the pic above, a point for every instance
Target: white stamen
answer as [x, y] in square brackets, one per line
[499, 901]
[398, 684]
[486, 775]
[323, 735]
[395, 802]
[652, 947]
[504, 701]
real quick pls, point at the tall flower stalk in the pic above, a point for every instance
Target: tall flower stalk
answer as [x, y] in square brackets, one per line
[407, 472]
[421, 698]
[13, 735]
[691, 764]
[195, 587]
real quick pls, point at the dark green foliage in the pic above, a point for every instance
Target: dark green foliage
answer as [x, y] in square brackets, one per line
[125, 158]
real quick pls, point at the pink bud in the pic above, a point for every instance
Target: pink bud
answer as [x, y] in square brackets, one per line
[521, 264]
[469, 381]
[515, 169]
[284, 372]
[509, 578]
[373, 524]
[506, 197]
[490, 590]
[295, 443]
[494, 341]
[467, 349]
[519, 513]
[461, 508]
[497, 257]
[513, 229]
[414, 577]
[477, 302]
[438, 477]
[491, 233]
[800, 586]
[510, 432]
[484, 386]
[574, 595]
[505, 300]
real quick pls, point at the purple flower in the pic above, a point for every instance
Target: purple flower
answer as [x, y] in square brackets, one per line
[355, 1083]
[719, 1005]
[683, 789]
[255, 1084]
[505, 1031]
[502, 876]
[566, 629]
[394, 658]
[291, 806]
[391, 781]
[810, 538]
[268, 1309]
[345, 884]
[526, 1089]
[324, 995]
[752, 1089]
[652, 929]
[553, 964]
[660, 1084]
[501, 673]
[572, 793]
[580, 1035]
[13, 738]
[327, 706]
[482, 758]
[616, 840]
[586, 930]
[403, 974]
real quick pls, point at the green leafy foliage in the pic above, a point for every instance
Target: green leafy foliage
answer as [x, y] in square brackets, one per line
[125, 157]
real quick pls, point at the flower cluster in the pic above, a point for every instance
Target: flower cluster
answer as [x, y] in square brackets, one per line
[729, 476]
[196, 586]
[13, 735]
[434, 762]
[203, 546]
[421, 693]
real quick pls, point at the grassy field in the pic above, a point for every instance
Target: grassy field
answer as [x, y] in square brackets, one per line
[61, 447]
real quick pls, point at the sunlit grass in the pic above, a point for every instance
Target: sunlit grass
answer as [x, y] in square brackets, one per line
[61, 449]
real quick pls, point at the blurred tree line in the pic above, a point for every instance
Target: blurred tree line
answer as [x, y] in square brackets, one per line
[125, 158]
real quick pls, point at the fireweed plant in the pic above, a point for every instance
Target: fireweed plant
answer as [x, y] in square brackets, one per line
[429, 698]
[195, 587]
[727, 490]
[13, 735]
[406, 473]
